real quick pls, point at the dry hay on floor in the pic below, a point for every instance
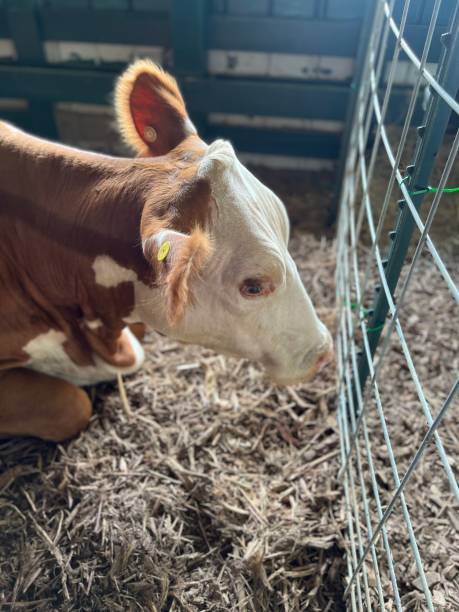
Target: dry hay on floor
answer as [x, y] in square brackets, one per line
[430, 320]
[220, 493]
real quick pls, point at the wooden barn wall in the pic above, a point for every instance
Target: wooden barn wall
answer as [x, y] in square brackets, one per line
[273, 76]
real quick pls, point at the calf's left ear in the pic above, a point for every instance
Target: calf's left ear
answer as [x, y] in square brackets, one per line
[150, 109]
[179, 259]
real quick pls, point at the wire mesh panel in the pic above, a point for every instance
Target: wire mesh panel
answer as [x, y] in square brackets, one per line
[398, 321]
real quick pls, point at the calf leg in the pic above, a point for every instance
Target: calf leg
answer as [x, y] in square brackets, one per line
[35, 404]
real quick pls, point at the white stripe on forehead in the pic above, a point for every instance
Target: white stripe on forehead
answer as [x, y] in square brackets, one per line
[239, 193]
[220, 155]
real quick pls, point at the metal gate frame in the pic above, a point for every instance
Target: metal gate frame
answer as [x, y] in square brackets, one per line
[359, 367]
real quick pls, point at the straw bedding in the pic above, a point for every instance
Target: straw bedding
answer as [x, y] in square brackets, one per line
[221, 492]
[429, 319]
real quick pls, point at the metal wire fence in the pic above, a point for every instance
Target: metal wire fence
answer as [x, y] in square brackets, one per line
[373, 282]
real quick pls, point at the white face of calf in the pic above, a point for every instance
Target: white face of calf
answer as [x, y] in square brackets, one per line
[249, 300]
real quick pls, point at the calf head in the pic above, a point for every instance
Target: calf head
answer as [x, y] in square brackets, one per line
[217, 239]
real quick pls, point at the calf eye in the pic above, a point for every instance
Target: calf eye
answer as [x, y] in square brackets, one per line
[255, 287]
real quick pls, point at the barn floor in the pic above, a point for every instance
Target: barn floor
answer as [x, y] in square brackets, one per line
[430, 322]
[220, 492]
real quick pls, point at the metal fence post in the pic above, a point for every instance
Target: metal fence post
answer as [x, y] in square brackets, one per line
[365, 406]
[25, 31]
[360, 63]
[190, 46]
[431, 135]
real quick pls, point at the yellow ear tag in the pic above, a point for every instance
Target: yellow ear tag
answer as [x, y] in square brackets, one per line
[164, 250]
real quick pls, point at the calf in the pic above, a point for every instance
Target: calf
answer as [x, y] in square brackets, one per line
[182, 238]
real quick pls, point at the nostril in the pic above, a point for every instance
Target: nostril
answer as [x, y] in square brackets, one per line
[324, 359]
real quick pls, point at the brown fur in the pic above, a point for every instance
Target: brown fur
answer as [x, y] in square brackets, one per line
[69, 207]
[34, 404]
[59, 209]
[192, 254]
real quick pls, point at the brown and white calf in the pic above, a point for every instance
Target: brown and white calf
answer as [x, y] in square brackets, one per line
[182, 238]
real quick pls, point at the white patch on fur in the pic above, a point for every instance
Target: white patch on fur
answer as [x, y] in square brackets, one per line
[165, 234]
[109, 273]
[147, 302]
[138, 349]
[47, 355]
[220, 155]
[189, 127]
[94, 324]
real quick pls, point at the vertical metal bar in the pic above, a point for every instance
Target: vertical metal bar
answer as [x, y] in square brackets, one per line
[360, 63]
[360, 411]
[189, 37]
[377, 49]
[374, 77]
[402, 484]
[354, 406]
[437, 118]
[380, 412]
[23, 27]
[189, 43]
[356, 594]
[25, 31]
[350, 418]
[394, 320]
[381, 54]
[404, 134]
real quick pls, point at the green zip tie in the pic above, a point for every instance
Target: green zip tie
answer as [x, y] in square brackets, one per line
[365, 311]
[434, 190]
[375, 329]
[428, 189]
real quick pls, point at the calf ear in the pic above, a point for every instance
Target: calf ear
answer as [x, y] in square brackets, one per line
[179, 259]
[150, 110]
